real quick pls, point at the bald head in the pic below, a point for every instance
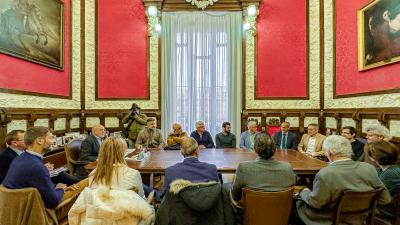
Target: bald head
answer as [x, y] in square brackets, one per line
[99, 130]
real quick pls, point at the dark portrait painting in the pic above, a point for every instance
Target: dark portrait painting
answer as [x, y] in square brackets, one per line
[378, 34]
[33, 30]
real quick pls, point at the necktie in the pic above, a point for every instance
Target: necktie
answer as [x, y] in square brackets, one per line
[283, 145]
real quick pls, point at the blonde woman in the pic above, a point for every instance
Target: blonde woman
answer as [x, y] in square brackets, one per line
[115, 192]
[112, 170]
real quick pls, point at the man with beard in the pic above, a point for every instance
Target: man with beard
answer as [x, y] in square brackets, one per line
[225, 139]
[150, 137]
[27, 170]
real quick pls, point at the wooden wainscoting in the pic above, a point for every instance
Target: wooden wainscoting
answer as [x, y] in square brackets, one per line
[381, 115]
[30, 116]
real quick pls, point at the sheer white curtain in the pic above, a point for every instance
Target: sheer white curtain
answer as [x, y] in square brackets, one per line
[201, 68]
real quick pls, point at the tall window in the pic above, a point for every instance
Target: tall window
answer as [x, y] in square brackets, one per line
[198, 72]
[202, 91]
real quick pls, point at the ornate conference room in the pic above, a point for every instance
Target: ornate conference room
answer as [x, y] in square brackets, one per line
[217, 112]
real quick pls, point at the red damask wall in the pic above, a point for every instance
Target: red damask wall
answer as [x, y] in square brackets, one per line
[281, 49]
[20, 75]
[348, 79]
[122, 50]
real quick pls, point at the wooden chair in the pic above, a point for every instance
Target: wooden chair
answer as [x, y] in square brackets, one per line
[357, 204]
[393, 208]
[260, 208]
[72, 150]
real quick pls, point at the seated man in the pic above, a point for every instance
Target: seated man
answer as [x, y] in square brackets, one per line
[191, 168]
[225, 139]
[264, 173]
[357, 146]
[28, 170]
[16, 146]
[91, 145]
[150, 136]
[342, 174]
[174, 139]
[374, 133]
[203, 137]
[247, 137]
[285, 139]
[311, 143]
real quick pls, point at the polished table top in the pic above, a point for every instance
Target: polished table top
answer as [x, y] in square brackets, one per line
[226, 160]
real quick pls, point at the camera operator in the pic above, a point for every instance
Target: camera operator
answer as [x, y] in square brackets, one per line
[136, 122]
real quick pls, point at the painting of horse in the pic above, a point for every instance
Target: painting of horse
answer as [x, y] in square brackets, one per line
[33, 30]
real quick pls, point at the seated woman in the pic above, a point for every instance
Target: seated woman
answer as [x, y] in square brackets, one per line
[174, 139]
[264, 173]
[115, 190]
[386, 155]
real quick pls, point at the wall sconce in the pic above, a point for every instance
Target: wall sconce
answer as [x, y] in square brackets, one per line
[153, 16]
[250, 17]
[251, 10]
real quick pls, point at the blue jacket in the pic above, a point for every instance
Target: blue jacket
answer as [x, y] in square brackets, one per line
[6, 157]
[291, 140]
[205, 139]
[245, 139]
[27, 170]
[190, 169]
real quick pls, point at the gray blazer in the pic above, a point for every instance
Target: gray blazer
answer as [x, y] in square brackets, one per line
[245, 139]
[262, 175]
[318, 205]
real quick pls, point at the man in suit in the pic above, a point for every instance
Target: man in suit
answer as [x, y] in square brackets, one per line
[311, 143]
[342, 174]
[16, 146]
[191, 168]
[247, 137]
[285, 139]
[91, 145]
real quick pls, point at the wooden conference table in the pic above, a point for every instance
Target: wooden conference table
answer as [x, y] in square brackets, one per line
[226, 160]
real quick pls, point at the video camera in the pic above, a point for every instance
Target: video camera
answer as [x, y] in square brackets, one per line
[134, 109]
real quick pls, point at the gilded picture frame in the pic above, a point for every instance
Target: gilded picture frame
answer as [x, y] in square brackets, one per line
[378, 34]
[33, 31]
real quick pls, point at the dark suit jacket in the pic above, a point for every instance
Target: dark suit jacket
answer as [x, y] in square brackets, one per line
[190, 169]
[291, 140]
[89, 149]
[6, 157]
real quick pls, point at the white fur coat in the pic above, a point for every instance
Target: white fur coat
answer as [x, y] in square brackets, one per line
[102, 206]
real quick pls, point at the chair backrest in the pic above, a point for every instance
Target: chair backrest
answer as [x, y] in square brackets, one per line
[357, 204]
[27, 207]
[274, 206]
[72, 150]
[396, 207]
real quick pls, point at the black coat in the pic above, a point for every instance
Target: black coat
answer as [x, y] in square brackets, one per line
[6, 157]
[189, 203]
[89, 149]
